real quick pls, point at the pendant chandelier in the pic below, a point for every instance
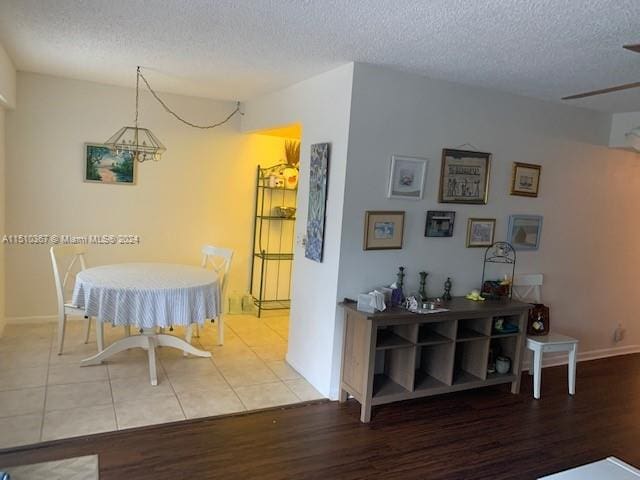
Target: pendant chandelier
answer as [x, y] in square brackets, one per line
[141, 142]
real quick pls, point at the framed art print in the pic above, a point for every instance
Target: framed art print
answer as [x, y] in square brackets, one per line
[524, 231]
[439, 224]
[480, 232]
[383, 230]
[526, 179]
[406, 177]
[102, 165]
[316, 216]
[464, 176]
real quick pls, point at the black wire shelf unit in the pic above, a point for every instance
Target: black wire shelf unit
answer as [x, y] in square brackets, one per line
[273, 242]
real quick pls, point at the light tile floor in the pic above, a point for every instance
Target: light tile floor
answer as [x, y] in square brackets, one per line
[44, 396]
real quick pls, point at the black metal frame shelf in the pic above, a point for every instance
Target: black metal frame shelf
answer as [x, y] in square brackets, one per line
[273, 242]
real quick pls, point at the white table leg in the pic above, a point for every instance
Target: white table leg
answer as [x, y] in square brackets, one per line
[175, 342]
[537, 373]
[87, 329]
[121, 345]
[572, 369]
[188, 336]
[151, 351]
[147, 341]
[99, 335]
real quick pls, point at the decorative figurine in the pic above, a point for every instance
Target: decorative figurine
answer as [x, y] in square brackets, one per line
[411, 304]
[423, 288]
[446, 296]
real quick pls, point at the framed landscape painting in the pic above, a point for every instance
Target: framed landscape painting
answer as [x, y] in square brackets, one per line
[101, 165]
[406, 178]
[383, 230]
[525, 231]
[318, 175]
[464, 176]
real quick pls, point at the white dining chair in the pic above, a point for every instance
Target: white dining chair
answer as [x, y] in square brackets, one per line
[217, 259]
[527, 288]
[74, 256]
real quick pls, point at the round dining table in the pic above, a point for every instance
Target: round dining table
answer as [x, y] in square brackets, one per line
[149, 297]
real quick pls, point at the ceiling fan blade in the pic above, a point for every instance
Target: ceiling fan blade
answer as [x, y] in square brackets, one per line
[633, 48]
[603, 90]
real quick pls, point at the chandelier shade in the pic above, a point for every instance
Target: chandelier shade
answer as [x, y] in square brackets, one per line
[141, 141]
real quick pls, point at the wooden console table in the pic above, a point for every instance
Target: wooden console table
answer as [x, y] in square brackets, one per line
[398, 355]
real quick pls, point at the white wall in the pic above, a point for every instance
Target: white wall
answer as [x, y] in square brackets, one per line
[7, 80]
[2, 219]
[621, 124]
[322, 105]
[7, 100]
[201, 191]
[589, 197]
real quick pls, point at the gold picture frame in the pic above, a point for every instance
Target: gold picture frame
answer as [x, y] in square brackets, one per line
[525, 180]
[480, 232]
[464, 177]
[383, 230]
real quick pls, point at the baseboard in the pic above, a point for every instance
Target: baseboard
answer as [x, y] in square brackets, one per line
[554, 360]
[32, 319]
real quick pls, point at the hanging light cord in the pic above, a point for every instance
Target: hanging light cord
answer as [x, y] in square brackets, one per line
[166, 107]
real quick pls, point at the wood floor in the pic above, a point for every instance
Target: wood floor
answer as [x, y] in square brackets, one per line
[483, 434]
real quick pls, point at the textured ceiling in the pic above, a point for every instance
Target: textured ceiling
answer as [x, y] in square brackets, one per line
[238, 49]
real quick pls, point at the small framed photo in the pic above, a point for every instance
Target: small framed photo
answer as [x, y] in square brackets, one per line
[383, 230]
[464, 176]
[406, 177]
[480, 232]
[524, 231]
[526, 179]
[101, 165]
[439, 224]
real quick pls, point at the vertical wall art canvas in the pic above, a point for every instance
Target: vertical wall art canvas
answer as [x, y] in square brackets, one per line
[318, 176]
[526, 179]
[439, 224]
[525, 231]
[101, 165]
[464, 177]
[406, 177]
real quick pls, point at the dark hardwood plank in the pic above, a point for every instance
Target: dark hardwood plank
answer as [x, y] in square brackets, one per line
[482, 434]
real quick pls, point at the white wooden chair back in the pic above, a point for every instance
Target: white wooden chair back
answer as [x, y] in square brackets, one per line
[219, 259]
[74, 255]
[528, 287]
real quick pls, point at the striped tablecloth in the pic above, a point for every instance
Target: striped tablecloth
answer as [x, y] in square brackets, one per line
[148, 295]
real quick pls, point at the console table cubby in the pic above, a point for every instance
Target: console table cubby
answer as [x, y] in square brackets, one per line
[398, 355]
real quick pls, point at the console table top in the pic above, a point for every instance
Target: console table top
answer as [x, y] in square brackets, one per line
[456, 306]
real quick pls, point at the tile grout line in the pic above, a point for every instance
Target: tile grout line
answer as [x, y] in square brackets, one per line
[175, 394]
[113, 401]
[265, 364]
[222, 374]
[46, 384]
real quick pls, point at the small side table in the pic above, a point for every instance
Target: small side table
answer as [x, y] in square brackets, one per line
[554, 342]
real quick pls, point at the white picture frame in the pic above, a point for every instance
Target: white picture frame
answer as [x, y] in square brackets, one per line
[407, 176]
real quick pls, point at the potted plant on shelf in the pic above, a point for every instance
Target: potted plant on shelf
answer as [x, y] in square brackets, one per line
[292, 155]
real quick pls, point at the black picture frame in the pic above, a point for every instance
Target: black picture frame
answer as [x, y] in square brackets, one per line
[439, 223]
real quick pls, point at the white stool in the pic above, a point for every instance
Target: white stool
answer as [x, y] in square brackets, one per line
[554, 342]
